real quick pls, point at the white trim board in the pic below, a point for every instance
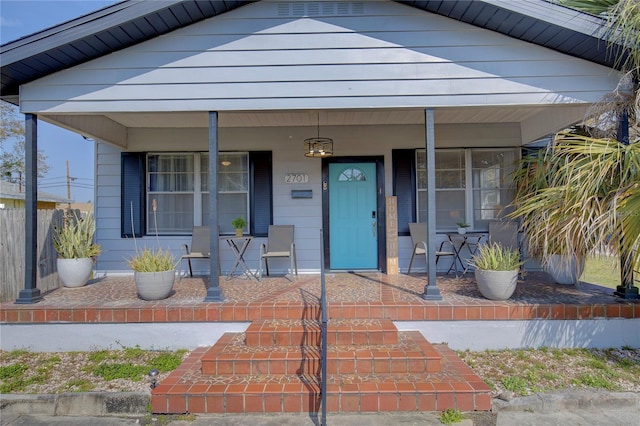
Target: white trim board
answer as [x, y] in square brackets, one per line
[459, 335]
[84, 337]
[482, 335]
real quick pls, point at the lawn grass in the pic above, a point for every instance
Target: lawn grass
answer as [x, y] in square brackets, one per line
[527, 371]
[602, 270]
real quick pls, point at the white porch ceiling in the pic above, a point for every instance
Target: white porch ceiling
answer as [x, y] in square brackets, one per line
[326, 117]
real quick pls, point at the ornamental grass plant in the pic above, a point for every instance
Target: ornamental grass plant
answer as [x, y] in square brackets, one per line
[74, 239]
[495, 257]
[152, 260]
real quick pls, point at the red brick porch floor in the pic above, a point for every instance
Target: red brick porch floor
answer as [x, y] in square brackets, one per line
[349, 295]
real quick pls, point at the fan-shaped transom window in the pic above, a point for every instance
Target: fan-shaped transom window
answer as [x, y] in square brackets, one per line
[352, 174]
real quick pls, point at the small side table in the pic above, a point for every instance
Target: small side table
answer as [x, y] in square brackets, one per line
[470, 240]
[238, 247]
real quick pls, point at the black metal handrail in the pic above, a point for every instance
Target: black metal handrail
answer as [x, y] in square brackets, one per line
[323, 335]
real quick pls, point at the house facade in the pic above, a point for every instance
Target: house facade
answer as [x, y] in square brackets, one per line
[236, 92]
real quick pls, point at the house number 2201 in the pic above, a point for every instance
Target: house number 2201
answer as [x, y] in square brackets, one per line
[296, 178]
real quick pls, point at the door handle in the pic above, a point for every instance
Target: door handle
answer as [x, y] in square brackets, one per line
[374, 228]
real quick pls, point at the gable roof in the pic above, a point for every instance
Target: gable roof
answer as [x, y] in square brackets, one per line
[133, 21]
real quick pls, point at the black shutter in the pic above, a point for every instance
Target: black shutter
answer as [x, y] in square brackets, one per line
[260, 166]
[404, 187]
[133, 194]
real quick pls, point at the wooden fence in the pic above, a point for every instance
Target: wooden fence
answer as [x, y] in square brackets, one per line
[12, 252]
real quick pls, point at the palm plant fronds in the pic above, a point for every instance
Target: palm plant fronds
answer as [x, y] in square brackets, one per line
[579, 196]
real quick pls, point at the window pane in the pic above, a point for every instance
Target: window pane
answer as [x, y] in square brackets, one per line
[489, 204]
[171, 172]
[450, 171]
[233, 189]
[233, 172]
[450, 159]
[492, 186]
[231, 206]
[171, 185]
[174, 213]
[450, 178]
[450, 187]
[352, 175]
[449, 208]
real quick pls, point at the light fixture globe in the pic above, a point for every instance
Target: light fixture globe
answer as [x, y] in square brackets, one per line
[318, 147]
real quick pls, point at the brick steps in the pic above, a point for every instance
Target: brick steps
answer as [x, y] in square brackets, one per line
[307, 332]
[371, 367]
[410, 356]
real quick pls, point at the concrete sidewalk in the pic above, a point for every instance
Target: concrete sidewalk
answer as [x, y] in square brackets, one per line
[588, 408]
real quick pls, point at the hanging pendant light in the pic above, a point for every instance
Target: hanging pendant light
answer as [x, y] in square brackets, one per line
[318, 147]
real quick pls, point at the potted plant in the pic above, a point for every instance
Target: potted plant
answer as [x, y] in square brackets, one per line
[496, 271]
[238, 224]
[462, 227]
[154, 270]
[74, 243]
[561, 200]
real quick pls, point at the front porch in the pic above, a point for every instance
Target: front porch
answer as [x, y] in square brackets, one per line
[113, 299]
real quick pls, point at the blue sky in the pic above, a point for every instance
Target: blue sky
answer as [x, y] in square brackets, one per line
[19, 18]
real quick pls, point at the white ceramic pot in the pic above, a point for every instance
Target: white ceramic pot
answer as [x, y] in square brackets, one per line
[496, 285]
[462, 231]
[74, 272]
[154, 285]
[564, 269]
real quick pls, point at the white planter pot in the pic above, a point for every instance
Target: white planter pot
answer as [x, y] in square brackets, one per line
[564, 269]
[154, 285]
[496, 285]
[74, 272]
[462, 231]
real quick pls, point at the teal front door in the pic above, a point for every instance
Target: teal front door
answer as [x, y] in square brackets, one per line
[353, 216]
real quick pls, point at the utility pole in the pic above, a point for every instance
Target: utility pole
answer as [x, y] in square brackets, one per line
[69, 179]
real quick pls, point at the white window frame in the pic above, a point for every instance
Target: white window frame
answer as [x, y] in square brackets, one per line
[197, 189]
[468, 187]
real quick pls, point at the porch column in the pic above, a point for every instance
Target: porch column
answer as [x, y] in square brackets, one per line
[626, 289]
[214, 292]
[30, 294]
[431, 291]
